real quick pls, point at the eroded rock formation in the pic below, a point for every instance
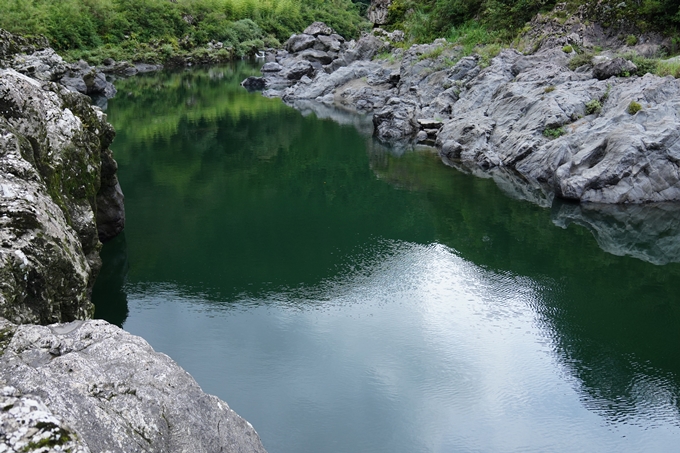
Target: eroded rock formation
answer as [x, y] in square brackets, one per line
[573, 133]
[378, 11]
[91, 386]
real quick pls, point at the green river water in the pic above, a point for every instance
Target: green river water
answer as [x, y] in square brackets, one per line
[346, 298]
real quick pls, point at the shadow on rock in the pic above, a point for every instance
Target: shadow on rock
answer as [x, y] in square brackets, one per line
[109, 294]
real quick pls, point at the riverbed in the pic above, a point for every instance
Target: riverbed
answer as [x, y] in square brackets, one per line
[346, 296]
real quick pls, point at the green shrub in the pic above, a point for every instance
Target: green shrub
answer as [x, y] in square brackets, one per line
[567, 49]
[631, 40]
[634, 107]
[81, 25]
[580, 60]
[553, 132]
[593, 106]
[644, 65]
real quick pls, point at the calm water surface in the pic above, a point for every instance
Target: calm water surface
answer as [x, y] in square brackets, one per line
[346, 298]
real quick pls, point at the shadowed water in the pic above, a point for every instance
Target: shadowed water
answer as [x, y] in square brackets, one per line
[343, 297]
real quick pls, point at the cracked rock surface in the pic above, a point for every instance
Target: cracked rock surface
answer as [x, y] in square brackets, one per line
[59, 196]
[558, 131]
[111, 390]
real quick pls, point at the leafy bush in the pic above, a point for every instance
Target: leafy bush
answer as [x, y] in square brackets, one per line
[567, 49]
[580, 60]
[593, 106]
[553, 132]
[644, 65]
[634, 107]
[87, 24]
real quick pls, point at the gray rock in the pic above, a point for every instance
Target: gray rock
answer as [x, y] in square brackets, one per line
[299, 69]
[378, 11]
[397, 120]
[75, 83]
[319, 28]
[53, 146]
[11, 45]
[26, 423]
[614, 68]
[523, 113]
[42, 65]
[97, 84]
[429, 123]
[328, 44]
[298, 43]
[146, 67]
[115, 392]
[313, 55]
[366, 48]
[271, 67]
[120, 68]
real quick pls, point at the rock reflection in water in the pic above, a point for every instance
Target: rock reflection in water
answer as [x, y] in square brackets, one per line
[650, 232]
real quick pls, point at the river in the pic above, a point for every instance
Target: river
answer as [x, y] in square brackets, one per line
[345, 297]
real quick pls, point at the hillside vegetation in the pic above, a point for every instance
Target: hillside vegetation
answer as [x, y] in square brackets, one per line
[140, 29]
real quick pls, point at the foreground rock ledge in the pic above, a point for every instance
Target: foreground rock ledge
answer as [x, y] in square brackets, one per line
[102, 389]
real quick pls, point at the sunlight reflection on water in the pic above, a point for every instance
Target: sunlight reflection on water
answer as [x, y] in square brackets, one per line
[414, 349]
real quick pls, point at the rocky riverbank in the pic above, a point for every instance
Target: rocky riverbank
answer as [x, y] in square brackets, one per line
[85, 385]
[593, 131]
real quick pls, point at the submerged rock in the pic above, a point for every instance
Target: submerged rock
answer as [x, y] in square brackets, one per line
[253, 83]
[103, 389]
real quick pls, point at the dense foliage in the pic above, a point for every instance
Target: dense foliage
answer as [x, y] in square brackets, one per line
[241, 24]
[425, 20]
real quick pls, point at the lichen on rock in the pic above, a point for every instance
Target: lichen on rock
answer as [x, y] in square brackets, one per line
[103, 389]
[53, 146]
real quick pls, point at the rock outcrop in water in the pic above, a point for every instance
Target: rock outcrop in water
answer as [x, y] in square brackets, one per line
[93, 387]
[598, 133]
[57, 170]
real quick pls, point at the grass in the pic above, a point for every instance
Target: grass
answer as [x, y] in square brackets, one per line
[471, 35]
[668, 68]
